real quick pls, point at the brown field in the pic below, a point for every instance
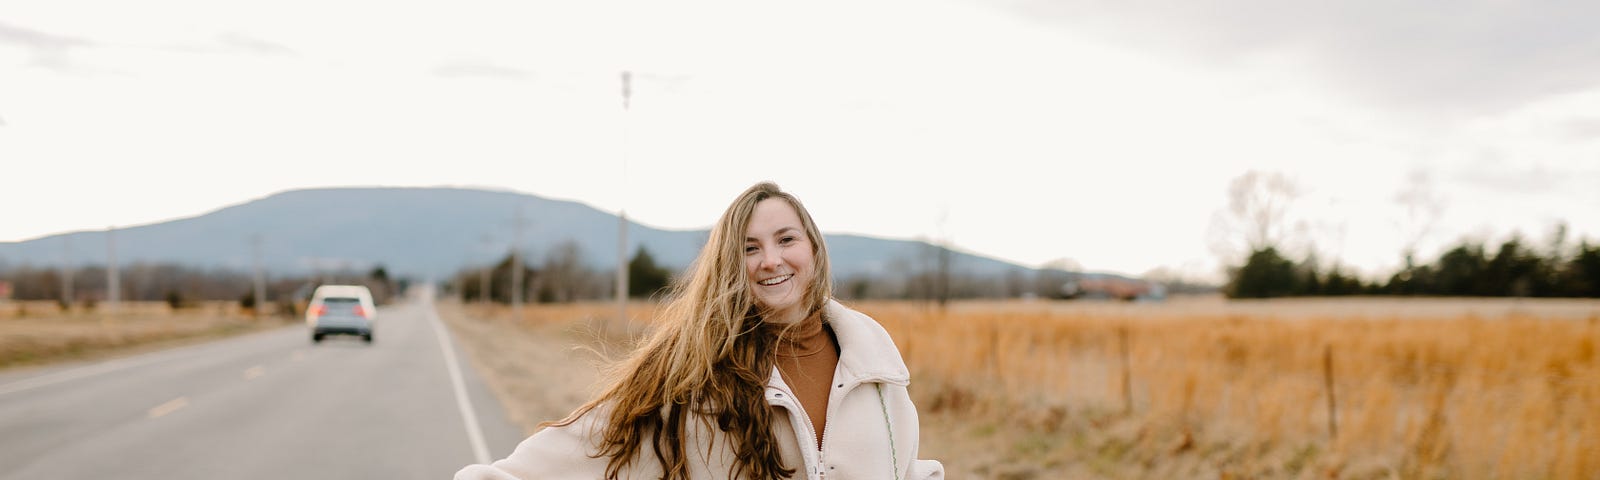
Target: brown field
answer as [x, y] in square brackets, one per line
[1421, 388]
[1429, 388]
[40, 332]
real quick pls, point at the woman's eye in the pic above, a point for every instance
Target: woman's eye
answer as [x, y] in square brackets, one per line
[786, 240]
[749, 249]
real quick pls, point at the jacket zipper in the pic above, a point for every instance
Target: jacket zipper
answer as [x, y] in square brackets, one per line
[814, 463]
[820, 466]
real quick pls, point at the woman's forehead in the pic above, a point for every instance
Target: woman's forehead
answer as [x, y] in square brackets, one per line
[772, 216]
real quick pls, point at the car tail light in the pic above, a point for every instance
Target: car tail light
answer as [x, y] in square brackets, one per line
[319, 310]
[360, 311]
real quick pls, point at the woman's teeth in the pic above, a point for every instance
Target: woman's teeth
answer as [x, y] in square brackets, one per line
[775, 280]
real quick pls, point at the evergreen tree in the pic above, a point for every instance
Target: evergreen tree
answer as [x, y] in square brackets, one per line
[1462, 271]
[1581, 275]
[645, 278]
[1266, 274]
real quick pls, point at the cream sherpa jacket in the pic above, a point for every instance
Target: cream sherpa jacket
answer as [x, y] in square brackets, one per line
[871, 430]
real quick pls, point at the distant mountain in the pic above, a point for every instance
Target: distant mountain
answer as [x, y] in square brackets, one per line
[429, 232]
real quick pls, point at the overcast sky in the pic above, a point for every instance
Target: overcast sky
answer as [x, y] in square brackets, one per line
[1031, 130]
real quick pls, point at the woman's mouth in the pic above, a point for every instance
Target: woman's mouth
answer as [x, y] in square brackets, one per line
[776, 280]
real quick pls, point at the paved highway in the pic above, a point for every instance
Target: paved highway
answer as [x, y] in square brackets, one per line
[265, 405]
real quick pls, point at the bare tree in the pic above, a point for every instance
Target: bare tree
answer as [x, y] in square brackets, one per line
[564, 276]
[1258, 213]
[1262, 200]
[1423, 207]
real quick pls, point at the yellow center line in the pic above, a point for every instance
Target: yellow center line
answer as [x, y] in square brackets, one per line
[169, 407]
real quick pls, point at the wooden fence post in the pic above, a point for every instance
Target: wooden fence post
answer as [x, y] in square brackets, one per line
[994, 351]
[1327, 381]
[1127, 375]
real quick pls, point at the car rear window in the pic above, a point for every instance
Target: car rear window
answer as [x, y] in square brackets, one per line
[341, 305]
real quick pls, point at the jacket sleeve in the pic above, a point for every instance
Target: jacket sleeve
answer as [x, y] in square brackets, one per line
[552, 453]
[918, 469]
[925, 470]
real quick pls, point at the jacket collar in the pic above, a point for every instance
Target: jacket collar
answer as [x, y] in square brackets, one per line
[866, 352]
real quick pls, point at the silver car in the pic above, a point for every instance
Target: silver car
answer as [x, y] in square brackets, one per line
[341, 310]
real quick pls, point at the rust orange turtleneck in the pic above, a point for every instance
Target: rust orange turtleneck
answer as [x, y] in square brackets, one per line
[807, 355]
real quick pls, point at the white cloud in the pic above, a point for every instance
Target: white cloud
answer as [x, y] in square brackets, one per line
[1464, 58]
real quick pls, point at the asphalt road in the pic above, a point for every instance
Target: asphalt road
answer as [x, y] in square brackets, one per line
[266, 405]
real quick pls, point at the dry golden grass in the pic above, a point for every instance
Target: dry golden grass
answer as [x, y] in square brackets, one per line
[1241, 391]
[1424, 388]
[40, 332]
[545, 364]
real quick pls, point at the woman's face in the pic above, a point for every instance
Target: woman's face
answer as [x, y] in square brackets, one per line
[778, 259]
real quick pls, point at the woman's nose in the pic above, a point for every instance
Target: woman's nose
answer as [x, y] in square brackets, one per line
[770, 259]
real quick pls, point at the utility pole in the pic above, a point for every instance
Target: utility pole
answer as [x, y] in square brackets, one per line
[113, 287]
[516, 267]
[483, 277]
[622, 212]
[943, 291]
[66, 272]
[260, 280]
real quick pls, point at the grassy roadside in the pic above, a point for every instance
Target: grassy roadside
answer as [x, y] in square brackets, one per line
[38, 336]
[542, 366]
[1425, 388]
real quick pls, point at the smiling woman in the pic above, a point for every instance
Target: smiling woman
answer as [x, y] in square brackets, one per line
[754, 372]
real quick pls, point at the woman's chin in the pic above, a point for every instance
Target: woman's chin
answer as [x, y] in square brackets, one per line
[780, 311]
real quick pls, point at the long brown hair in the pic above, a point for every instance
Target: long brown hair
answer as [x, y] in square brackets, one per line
[709, 359]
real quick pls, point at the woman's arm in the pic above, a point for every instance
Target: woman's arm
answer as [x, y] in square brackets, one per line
[552, 453]
[925, 470]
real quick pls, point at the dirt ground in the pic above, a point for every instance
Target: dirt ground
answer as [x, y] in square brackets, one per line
[38, 333]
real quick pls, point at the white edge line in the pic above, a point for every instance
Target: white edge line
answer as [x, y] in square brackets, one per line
[468, 416]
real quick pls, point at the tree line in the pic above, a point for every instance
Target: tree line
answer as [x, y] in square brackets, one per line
[1513, 269]
[1258, 215]
[85, 287]
[560, 276]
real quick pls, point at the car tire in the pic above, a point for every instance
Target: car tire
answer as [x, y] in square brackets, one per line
[316, 338]
[367, 338]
